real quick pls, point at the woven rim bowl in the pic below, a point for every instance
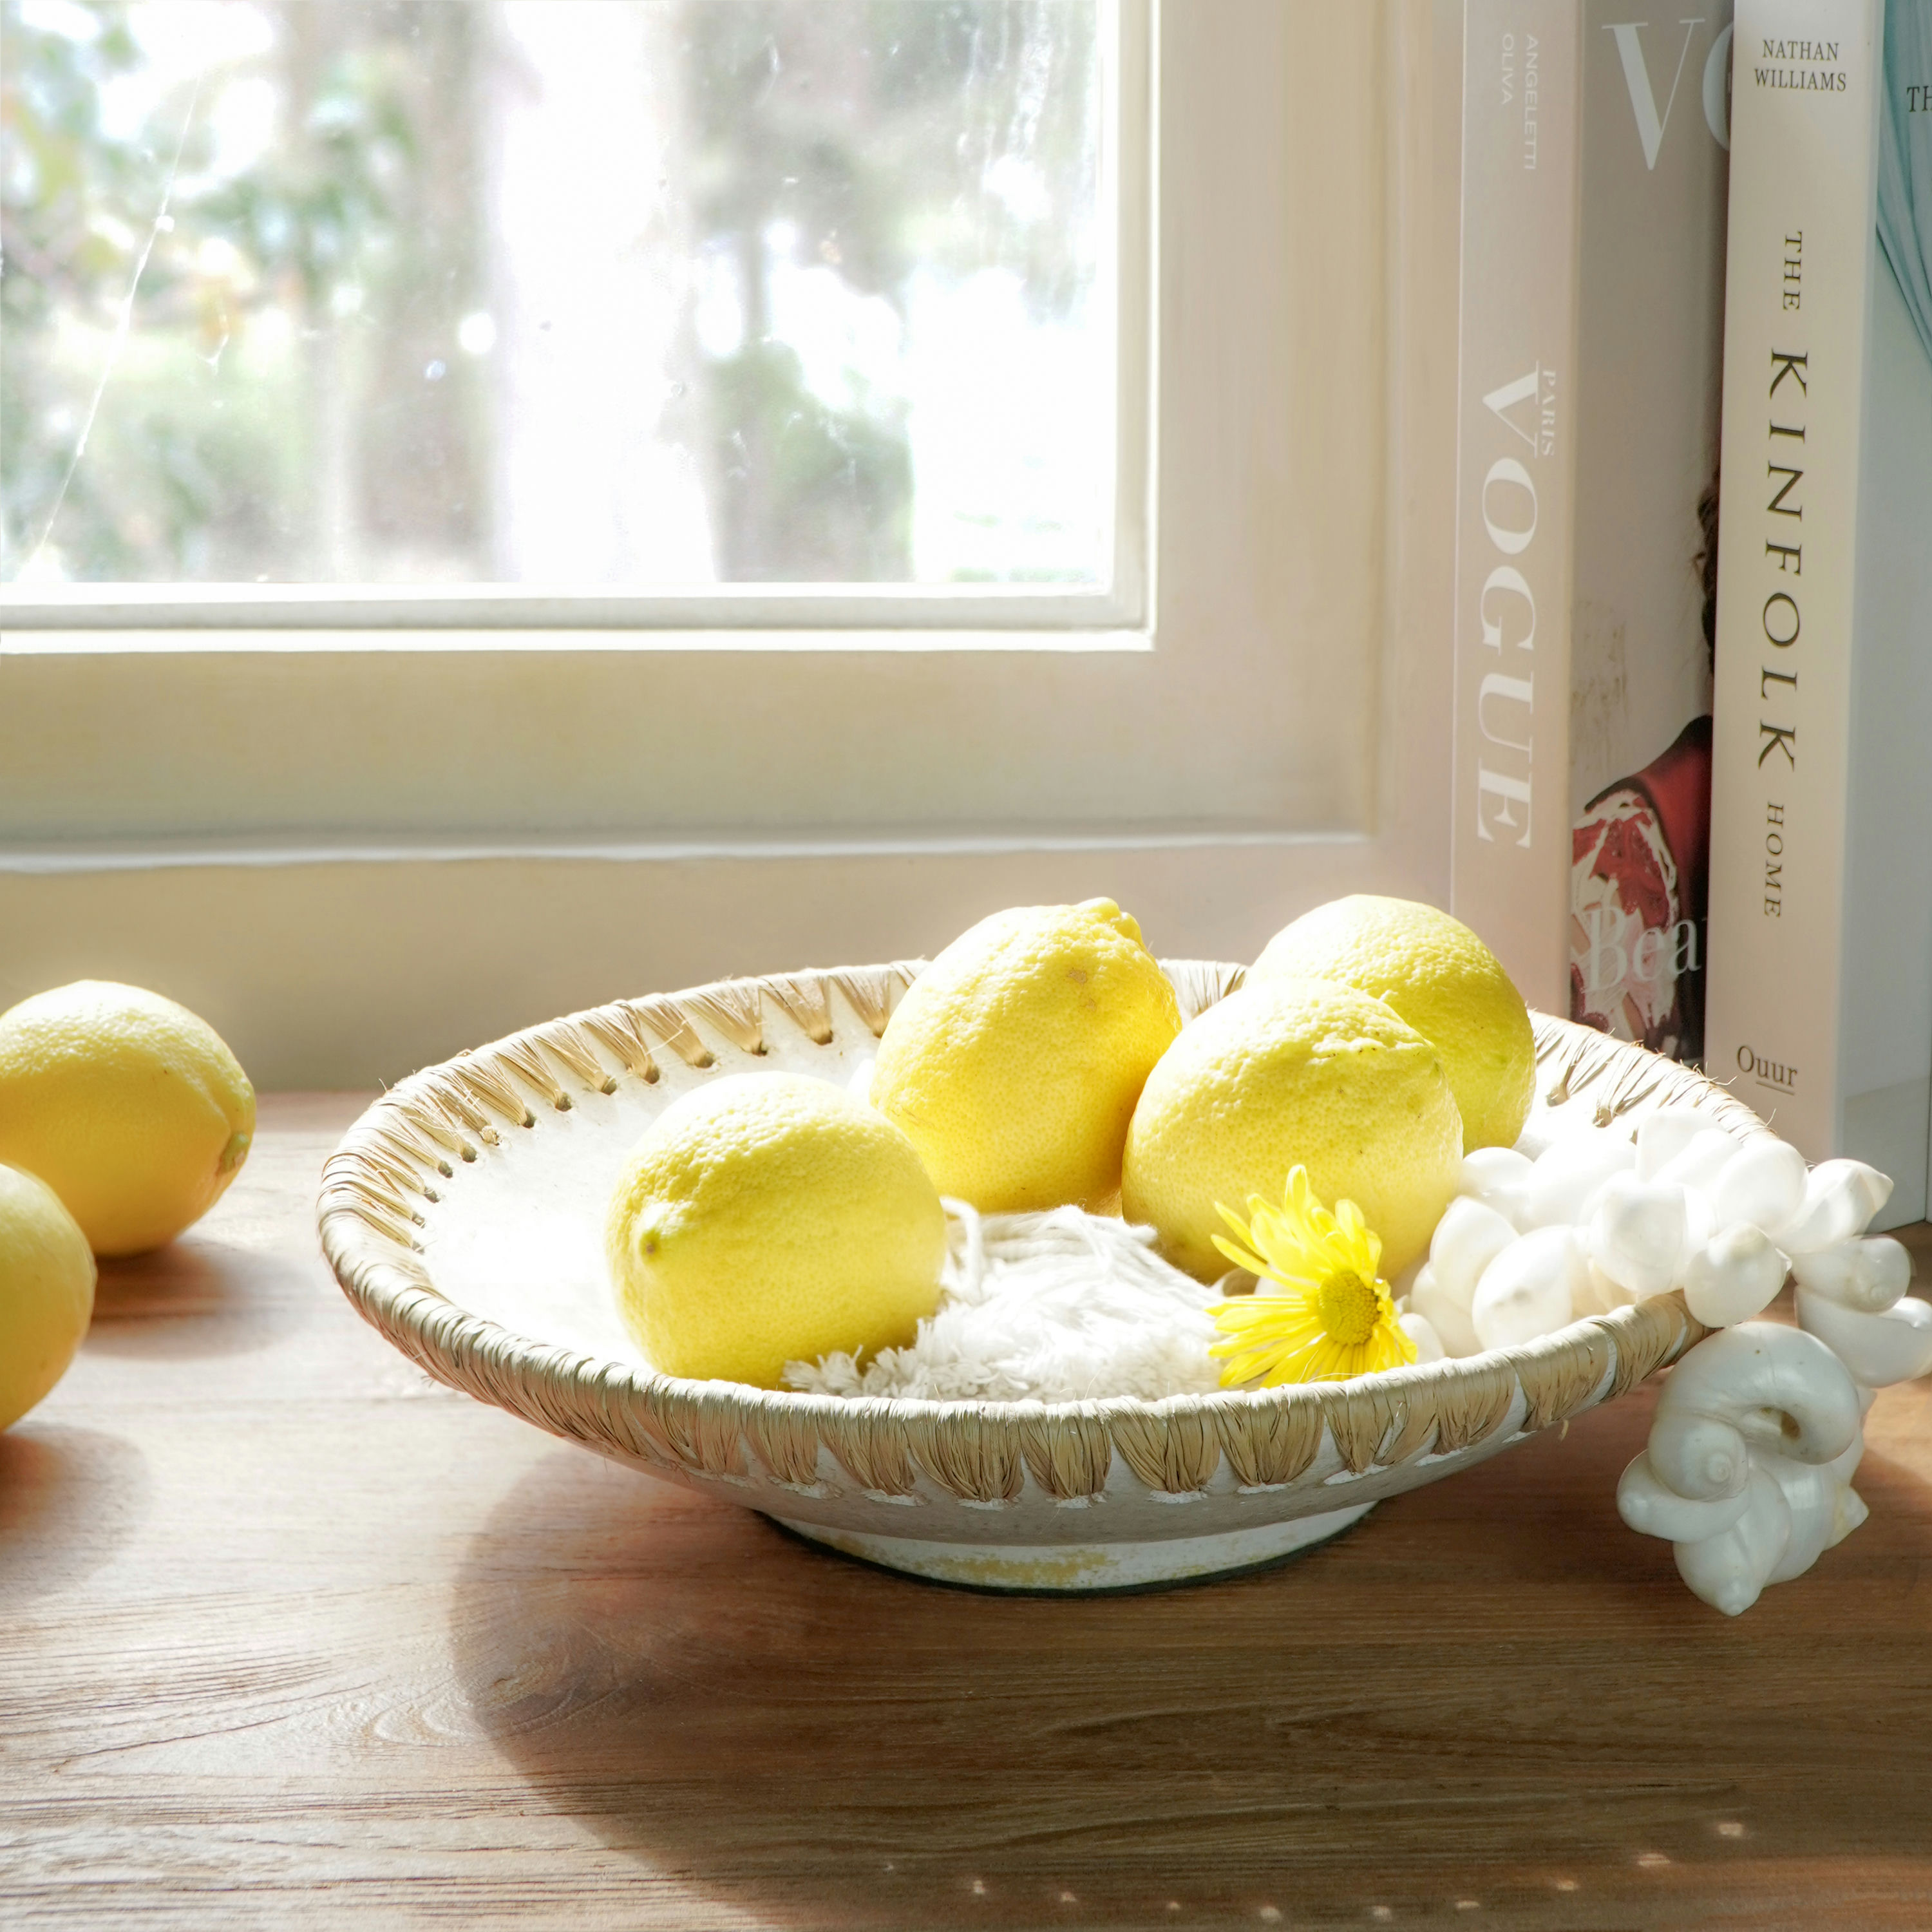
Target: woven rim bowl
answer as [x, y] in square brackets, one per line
[463, 1216]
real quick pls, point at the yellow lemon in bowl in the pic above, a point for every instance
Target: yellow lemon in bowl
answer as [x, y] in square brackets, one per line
[1435, 973]
[767, 1218]
[1014, 1062]
[128, 1106]
[1292, 1073]
[47, 1292]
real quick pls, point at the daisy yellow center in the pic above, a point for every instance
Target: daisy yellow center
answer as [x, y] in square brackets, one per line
[1349, 1308]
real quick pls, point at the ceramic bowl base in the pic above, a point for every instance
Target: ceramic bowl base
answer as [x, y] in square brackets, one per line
[1083, 1568]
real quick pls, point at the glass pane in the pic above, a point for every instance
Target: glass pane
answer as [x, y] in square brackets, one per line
[561, 293]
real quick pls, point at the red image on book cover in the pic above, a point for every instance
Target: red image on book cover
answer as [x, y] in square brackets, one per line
[1639, 876]
[1639, 856]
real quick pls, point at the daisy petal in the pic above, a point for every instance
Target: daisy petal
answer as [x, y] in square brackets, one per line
[1240, 1256]
[1234, 1220]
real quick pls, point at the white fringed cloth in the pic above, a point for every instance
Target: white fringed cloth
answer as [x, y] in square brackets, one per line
[1059, 1306]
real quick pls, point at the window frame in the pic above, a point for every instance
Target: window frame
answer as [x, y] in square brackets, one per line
[1267, 729]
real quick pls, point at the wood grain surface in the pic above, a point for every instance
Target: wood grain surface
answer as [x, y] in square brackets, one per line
[289, 1636]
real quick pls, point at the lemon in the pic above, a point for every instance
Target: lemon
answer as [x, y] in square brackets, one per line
[1441, 978]
[126, 1105]
[1015, 1060]
[1288, 1073]
[47, 1292]
[768, 1218]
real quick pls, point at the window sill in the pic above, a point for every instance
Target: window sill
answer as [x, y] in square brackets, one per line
[86, 617]
[55, 858]
[189, 638]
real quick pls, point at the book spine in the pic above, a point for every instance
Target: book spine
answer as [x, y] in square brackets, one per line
[1804, 124]
[1649, 380]
[1509, 826]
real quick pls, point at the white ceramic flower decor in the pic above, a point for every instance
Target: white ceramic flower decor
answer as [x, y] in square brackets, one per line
[1759, 1429]
[1749, 1467]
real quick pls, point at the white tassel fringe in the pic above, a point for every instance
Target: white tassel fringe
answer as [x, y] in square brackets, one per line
[1060, 1306]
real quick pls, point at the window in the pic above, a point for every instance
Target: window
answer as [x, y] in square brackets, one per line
[1215, 694]
[571, 295]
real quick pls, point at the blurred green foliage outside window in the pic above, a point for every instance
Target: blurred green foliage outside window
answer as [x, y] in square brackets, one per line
[558, 292]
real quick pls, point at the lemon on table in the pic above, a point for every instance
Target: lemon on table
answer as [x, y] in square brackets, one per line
[1015, 1060]
[767, 1218]
[1439, 977]
[1288, 1073]
[47, 1292]
[126, 1105]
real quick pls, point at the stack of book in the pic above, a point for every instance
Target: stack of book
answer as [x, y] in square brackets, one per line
[1693, 804]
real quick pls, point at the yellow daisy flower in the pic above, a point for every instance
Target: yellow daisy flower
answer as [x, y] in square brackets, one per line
[1332, 1317]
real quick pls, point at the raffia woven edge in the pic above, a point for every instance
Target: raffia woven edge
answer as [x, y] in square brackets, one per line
[376, 1186]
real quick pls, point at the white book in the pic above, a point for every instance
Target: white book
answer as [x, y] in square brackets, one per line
[1594, 173]
[1820, 993]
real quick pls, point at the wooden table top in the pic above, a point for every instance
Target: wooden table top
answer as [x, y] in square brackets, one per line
[289, 1635]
